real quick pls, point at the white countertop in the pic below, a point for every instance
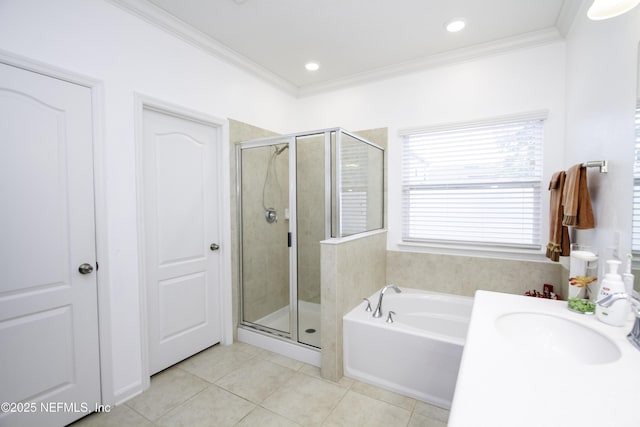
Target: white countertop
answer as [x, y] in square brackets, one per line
[501, 384]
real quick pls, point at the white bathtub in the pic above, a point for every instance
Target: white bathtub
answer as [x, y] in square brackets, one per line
[419, 354]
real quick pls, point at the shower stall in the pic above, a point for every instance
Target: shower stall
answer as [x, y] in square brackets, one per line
[293, 192]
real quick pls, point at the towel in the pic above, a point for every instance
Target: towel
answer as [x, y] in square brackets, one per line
[576, 200]
[558, 233]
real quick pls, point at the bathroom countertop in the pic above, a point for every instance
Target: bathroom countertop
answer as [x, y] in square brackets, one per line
[501, 384]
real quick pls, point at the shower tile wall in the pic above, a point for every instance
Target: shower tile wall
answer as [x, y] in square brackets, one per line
[265, 252]
[238, 132]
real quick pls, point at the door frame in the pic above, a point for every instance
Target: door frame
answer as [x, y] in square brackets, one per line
[100, 202]
[221, 126]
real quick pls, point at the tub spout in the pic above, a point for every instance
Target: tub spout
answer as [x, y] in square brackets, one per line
[378, 312]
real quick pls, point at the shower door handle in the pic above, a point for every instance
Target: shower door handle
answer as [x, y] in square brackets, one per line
[214, 247]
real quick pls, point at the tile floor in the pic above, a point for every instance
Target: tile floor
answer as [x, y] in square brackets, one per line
[242, 385]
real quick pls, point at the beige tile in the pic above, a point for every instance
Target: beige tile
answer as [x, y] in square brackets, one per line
[284, 361]
[305, 400]
[211, 407]
[418, 420]
[252, 350]
[314, 371]
[256, 380]
[217, 361]
[396, 399]
[118, 416]
[260, 417]
[168, 389]
[356, 409]
[344, 382]
[431, 411]
[311, 370]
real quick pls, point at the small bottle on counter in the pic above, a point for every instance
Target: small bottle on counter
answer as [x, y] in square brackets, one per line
[618, 312]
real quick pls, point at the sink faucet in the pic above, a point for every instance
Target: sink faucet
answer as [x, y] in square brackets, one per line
[608, 300]
[634, 299]
[378, 312]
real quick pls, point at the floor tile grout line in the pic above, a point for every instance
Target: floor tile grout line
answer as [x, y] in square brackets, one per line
[346, 391]
[278, 414]
[139, 413]
[181, 404]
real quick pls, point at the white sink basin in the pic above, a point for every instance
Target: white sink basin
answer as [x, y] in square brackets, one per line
[545, 335]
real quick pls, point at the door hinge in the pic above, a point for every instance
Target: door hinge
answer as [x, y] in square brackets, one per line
[289, 239]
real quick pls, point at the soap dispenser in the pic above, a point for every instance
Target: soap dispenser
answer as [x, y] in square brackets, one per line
[618, 312]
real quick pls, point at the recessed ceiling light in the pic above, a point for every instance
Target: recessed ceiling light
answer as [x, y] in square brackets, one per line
[455, 25]
[312, 66]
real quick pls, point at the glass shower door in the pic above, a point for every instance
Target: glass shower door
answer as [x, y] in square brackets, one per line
[312, 219]
[264, 223]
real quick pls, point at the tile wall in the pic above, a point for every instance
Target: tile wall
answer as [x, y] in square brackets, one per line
[463, 275]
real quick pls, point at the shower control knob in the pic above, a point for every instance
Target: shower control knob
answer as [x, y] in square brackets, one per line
[214, 247]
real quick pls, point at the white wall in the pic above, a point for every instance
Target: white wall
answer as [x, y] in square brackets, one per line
[601, 96]
[101, 41]
[513, 82]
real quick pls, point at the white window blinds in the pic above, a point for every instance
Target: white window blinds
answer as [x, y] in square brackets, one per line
[477, 184]
[355, 186]
[635, 234]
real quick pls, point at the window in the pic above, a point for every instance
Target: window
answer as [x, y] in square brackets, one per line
[635, 234]
[474, 184]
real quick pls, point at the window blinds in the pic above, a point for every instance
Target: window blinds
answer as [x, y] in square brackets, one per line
[635, 233]
[474, 184]
[355, 186]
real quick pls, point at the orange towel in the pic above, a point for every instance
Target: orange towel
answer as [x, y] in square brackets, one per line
[558, 233]
[576, 200]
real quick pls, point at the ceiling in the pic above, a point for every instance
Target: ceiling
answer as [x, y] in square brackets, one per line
[353, 40]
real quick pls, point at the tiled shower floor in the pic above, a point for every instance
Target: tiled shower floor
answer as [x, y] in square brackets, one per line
[242, 385]
[308, 322]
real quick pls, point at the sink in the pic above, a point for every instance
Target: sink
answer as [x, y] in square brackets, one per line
[546, 335]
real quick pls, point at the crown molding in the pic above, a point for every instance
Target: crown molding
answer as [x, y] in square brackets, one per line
[532, 39]
[567, 15]
[178, 28]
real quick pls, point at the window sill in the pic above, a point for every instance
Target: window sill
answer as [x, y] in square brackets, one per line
[473, 251]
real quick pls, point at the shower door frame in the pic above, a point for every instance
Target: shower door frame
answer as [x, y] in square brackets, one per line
[291, 140]
[257, 143]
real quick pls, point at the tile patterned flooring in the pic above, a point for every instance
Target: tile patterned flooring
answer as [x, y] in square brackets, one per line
[242, 385]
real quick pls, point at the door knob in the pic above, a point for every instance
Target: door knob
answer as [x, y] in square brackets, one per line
[85, 268]
[214, 247]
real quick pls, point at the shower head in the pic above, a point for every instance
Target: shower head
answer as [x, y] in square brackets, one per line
[280, 150]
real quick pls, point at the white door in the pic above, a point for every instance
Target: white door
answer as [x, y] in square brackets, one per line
[181, 237]
[49, 362]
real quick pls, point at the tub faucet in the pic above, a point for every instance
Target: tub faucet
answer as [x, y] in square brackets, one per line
[378, 312]
[634, 299]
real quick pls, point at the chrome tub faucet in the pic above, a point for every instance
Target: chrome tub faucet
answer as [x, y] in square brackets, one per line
[378, 311]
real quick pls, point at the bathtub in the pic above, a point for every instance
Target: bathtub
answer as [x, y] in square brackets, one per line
[418, 355]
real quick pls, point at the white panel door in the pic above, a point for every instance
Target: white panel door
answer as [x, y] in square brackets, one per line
[48, 308]
[181, 237]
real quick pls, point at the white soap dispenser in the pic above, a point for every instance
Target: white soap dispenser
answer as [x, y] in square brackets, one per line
[618, 312]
